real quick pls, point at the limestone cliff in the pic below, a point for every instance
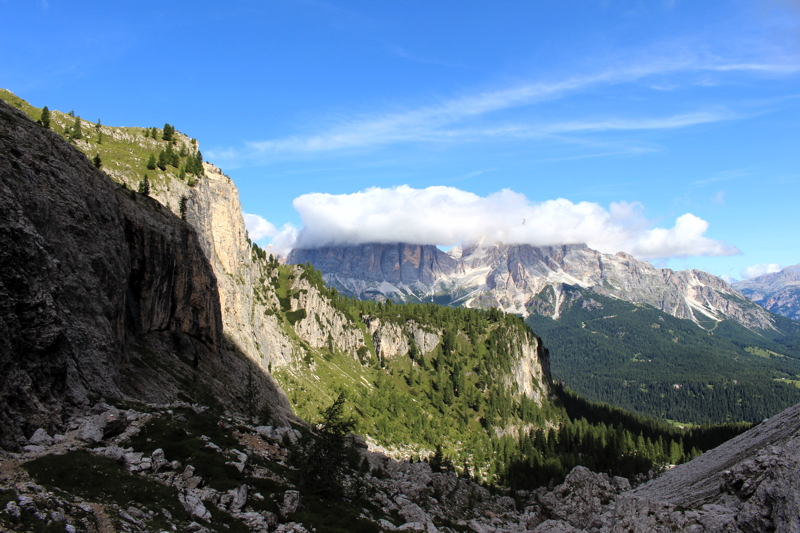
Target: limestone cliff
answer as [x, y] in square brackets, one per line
[102, 292]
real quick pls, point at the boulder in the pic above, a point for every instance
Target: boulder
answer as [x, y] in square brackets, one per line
[239, 498]
[40, 438]
[89, 432]
[113, 422]
[291, 503]
[580, 499]
[194, 506]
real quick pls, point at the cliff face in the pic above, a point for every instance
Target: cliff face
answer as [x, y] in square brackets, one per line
[406, 264]
[512, 276]
[99, 288]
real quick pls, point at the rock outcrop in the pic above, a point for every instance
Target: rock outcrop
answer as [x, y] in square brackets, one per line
[747, 484]
[516, 277]
[102, 292]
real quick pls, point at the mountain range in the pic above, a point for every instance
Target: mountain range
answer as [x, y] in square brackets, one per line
[778, 292]
[524, 279]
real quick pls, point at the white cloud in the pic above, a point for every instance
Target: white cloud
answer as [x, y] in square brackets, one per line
[760, 270]
[448, 216]
[258, 227]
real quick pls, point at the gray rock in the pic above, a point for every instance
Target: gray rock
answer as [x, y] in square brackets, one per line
[13, 509]
[194, 506]
[188, 472]
[113, 452]
[113, 422]
[580, 499]
[57, 516]
[291, 503]
[128, 518]
[194, 482]
[30, 448]
[239, 497]
[87, 265]
[413, 526]
[40, 438]
[268, 432]
[271, 519]
[136, 513]
[559, 526]
[158, 460]
[411, 512]
[90, 432]
[385, 524]
[26, 502]
[255, 521]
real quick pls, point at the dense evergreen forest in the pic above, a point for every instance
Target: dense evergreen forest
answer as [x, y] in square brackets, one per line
[644, 360]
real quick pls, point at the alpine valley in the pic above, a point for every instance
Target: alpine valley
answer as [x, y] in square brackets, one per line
[161, 372]
[684, 345]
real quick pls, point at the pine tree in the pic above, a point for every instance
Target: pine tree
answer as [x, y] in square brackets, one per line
[96, 161]
[151, 162]
[182, 173]
[76, 132]
[163, 160]
[144, 186]
[169, 131]
[45, 118]
[323, 456]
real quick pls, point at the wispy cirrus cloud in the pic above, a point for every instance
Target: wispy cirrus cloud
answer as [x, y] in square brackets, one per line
[474, 116]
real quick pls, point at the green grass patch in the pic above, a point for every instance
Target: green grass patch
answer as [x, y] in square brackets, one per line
[762, 352]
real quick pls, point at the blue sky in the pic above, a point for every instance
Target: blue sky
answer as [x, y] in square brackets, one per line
[671, 128]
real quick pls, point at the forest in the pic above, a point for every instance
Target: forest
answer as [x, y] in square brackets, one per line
[639, 358]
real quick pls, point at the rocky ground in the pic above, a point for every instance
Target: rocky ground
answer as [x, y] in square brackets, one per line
[126, 469]
[46, 487]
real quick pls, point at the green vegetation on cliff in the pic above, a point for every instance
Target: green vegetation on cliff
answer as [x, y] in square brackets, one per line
[124, 151]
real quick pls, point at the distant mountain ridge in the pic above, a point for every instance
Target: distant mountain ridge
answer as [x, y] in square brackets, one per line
[778, 292]
[526, 279]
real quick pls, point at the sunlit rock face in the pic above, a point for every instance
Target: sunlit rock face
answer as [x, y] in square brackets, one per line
[525, 279]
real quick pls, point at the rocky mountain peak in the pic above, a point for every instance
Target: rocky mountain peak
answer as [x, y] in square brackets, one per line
[514, 276]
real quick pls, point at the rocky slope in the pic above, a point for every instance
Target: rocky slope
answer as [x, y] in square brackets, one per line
[520, 278]
[778, 292]
[104, 293]
[745, 485]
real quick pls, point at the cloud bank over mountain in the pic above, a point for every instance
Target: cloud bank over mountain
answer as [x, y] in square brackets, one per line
[759, 270]
[448, 216]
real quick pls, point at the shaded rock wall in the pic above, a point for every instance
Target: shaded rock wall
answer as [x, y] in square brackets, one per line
[87, 270]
